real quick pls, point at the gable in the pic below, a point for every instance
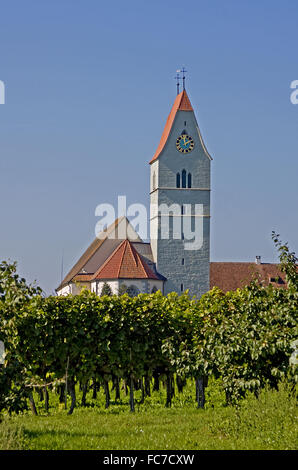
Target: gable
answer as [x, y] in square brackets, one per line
[100, 249]
[125, 263]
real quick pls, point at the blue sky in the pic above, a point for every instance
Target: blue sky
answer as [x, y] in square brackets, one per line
[89, 85]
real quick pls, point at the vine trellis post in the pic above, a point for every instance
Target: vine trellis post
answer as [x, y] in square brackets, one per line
[66, 377]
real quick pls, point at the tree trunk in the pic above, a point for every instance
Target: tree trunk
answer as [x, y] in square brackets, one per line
[137, 385]
[180, 383]
[143, 392]
[94, 387]
[66, 383]
[84, 390]
[156, 383]
[107, 393]
[61, 393]
[46, 399]
[200, 391]
[147, 386]
[113, 383]
[131, 397]
[117, 389]
[172, 387]
[125, 387]
[32, 404]
[169, 390]
[41, 397]
[72, 392]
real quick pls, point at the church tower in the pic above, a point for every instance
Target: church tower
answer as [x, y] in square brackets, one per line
[180, 203]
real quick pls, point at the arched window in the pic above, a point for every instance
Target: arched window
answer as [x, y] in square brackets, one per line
[189, 180]
[132, 291]
[183, 179]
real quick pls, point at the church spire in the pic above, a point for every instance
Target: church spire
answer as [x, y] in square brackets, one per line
[181, 103]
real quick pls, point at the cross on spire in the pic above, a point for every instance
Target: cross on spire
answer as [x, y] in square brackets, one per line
[183, 70]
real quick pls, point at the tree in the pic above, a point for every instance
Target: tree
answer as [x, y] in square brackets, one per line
[106, 290]
[132, 291]
[122, 289]
[14, 294]
[288, 262]
[14, 290]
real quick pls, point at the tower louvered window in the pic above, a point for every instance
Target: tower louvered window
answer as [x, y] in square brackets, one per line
[183, 180]
[189, 180]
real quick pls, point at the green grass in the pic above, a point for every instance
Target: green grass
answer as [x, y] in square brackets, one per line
[269, 422]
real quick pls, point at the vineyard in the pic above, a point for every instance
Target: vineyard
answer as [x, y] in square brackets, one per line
[244, 338]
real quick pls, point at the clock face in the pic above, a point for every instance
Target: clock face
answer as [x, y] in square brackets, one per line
[185, 143]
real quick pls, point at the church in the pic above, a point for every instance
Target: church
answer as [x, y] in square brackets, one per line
[177, 258]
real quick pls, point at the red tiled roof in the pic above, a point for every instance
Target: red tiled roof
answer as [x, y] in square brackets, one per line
[95, 245]
[184, 104]
[230, 276]
[125, 263]
[82, 278]
[181, 103]
[97, 252]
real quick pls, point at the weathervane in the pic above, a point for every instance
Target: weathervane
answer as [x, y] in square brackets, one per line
[178, 80]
